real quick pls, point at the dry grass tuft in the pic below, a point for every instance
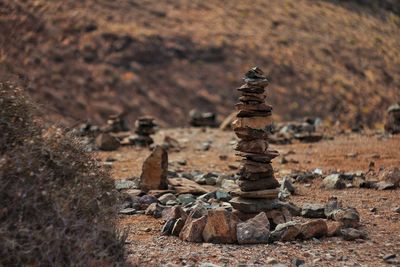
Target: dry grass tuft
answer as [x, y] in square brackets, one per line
[57, 205]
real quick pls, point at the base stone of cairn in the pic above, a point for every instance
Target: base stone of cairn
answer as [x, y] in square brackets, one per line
[144, 129]
[258, 186]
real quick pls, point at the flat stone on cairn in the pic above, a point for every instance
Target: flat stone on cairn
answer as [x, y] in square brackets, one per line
[144, 128]
[258, 186]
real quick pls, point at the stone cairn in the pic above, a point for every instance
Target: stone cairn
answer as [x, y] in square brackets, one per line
[392, 124]
[258, 187]
[116, 123]
[144, 128]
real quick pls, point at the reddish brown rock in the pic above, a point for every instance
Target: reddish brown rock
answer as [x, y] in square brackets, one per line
[175, 212]
[314, 228]
[286, 231]
[247, 133]
[256, 167]
[254, 123]
[333, 228]
[154, 170]
[106, 142]
[266, 194]
[257, 146]
[193, 229]
[220, 227]
[186, 186]
[253, 109]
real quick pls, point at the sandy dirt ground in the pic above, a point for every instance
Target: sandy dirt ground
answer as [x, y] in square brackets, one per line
[345, 152]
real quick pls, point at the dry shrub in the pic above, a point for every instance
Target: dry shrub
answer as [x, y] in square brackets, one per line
[57, 206]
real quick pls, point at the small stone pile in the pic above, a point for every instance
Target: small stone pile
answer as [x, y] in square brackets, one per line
[392, 124]
[116, 123]
[258, 187]
[202, 119]
[144, 128]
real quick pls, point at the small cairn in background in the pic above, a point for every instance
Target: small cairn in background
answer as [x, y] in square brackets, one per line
[145, 127]
[202, 119]
[116, 123]
[392, 124]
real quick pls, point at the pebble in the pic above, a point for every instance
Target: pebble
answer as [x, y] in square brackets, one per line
[271, 261]
[208, 264]
[298, 262]
[127, 211]
[389, 257]
[223, 157]
[182, 162]
[205, 146]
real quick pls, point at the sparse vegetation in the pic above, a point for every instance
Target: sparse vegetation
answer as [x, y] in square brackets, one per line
[57, 205]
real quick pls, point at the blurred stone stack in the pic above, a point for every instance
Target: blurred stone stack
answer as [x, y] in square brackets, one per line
[144, 128]
[392, 124]
[116, 123]
[202, 119]
[258, 187]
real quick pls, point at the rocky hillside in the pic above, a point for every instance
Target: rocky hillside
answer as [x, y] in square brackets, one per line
[84, 60]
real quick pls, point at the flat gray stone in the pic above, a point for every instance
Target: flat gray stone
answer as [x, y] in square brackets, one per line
[253, 231]
[255, 205]
[127, 211]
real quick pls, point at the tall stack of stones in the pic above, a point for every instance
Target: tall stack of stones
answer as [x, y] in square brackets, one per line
[144, 128]
[258, 187]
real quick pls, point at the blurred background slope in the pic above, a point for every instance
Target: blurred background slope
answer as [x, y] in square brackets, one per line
[85, 60]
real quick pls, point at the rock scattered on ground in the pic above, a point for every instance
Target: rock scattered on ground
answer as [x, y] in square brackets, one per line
[154, 170]
[106, 142]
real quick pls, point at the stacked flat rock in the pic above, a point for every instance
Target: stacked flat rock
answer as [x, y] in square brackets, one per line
[144, 128]
[258, 186]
